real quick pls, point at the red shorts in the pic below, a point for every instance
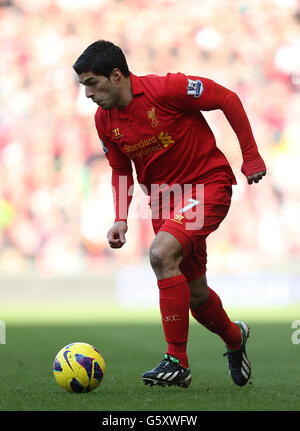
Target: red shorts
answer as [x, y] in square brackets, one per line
[192, 221]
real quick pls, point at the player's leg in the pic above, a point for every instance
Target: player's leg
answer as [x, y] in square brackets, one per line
[174, 296]
[166, 253]
[206, 307]
[198, 291]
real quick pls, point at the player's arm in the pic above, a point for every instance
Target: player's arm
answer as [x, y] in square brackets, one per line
[122, 187]
[195, 93]
[122, 183]
[253, 166]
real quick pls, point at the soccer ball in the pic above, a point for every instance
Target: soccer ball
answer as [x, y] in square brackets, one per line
[79, 367]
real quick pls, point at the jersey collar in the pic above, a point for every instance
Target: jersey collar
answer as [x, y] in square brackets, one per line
[136, 85]
[136, 88]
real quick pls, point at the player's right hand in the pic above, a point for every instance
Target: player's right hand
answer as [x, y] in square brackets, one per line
[116, 234]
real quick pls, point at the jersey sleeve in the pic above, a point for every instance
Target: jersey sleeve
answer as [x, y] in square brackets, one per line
[190, 93]
[122, 179]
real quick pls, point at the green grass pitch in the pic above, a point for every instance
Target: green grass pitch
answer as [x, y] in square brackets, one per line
[132, 342]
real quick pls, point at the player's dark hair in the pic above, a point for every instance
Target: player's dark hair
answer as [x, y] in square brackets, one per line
[101, 58]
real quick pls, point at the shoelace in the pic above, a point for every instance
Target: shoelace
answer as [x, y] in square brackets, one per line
[233, 359]
[168, 360]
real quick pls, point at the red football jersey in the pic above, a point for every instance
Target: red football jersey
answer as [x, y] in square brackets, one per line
[163, 132]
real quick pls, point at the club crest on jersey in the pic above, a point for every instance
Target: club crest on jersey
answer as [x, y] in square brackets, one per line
[194, 88]
[152, 116]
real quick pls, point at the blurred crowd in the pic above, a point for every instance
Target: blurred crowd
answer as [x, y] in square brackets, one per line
[55, 193]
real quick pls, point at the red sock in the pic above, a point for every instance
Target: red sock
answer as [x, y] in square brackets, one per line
[174, 300]
[213, 316]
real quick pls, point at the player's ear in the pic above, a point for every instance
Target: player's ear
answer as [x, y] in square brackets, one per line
[116, 76]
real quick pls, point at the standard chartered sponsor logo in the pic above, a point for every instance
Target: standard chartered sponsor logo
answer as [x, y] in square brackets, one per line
[144, 147]
[140, 144]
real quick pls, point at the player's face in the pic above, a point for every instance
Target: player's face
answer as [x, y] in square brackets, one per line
[100, 89]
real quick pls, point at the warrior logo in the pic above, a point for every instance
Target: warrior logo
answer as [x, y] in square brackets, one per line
[116, 133]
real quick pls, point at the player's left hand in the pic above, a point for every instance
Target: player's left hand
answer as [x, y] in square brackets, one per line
[256, 177]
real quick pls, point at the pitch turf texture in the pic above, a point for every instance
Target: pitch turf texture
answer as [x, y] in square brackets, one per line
[132, 342]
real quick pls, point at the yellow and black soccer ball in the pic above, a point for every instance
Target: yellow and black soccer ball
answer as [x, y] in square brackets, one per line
[79, 367]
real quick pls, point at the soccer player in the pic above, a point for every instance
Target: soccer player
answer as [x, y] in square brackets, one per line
[155, 123]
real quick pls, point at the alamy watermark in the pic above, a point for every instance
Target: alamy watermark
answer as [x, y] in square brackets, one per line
[2, 332]
[296, 334]
[176, 202]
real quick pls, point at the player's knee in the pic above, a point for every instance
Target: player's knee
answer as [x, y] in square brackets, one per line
[165, 254]
[161, 257]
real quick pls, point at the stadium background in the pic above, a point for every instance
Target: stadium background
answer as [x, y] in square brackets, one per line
[59, 281]
[55, 193]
